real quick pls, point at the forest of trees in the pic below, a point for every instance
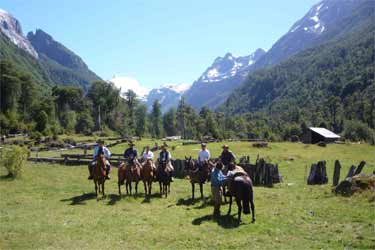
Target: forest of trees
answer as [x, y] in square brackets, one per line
[26, 107]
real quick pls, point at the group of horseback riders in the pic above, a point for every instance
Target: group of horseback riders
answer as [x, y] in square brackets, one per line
[223, 172]
[131, 158]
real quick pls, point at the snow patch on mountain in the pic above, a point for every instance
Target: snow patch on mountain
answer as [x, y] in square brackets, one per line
[312, 24]
[228, 66]
[11, 28]
[178, 88]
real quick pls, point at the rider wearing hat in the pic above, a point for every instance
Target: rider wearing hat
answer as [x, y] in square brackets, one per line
[227, 157]
[203, 155]
[100, 149]
[131, 154]
[165, 156]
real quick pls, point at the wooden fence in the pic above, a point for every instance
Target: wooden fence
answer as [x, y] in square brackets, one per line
[262, 173]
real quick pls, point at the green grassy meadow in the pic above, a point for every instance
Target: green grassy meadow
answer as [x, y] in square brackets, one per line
[54, 207]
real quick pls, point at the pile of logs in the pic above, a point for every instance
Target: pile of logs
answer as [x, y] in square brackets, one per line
[318, 174]
[354, 180]
[262, 173]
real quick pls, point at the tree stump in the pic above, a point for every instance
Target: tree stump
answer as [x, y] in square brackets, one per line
[336, 173]
[360, 167]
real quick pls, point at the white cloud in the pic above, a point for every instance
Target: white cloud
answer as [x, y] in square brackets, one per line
[126, 83]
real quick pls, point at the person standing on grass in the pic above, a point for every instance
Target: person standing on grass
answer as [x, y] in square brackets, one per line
[217, 179]
[99, 150]
[203, 156]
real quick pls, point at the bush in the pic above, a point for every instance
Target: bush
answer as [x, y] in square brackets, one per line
[357, 131]
[13, 159]
[37, 136]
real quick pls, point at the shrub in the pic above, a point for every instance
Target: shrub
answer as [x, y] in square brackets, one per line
[13, 159]
[357, 131]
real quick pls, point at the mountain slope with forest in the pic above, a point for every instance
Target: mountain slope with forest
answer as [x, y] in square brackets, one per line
[329, 84]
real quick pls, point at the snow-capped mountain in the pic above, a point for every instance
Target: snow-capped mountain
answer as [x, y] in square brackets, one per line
[168, 95]
[325, 20]
[228, 66]
[11, 28]
[217, 82]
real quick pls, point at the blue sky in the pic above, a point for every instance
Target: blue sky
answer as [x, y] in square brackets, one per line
[158, 42]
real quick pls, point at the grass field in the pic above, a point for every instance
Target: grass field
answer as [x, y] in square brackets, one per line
[54, 207]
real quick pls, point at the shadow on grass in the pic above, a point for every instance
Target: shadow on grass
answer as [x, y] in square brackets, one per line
[225, 221]
[80, 199]
[113, 199]
[7, 177]
[186, 202]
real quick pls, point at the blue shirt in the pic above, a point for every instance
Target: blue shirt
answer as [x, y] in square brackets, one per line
[106, 152]
[131, 153]
[217, 178]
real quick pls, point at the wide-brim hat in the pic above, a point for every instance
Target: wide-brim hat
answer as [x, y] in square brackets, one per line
[100, 141]
[225, 146]
[131, 143]
[165, 145]
[203, 144]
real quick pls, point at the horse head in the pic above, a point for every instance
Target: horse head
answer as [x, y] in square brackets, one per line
[189, 163]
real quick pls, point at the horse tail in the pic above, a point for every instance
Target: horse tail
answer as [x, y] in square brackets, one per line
[246, 192]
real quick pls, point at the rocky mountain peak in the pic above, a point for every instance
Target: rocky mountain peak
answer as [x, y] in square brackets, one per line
[11, 28]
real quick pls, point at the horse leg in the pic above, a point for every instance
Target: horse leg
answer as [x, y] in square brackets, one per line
[161, 191]
[119, 189]
[224, 192]
[192, 190]
[136, 187]
[230, 205]
[201, 189]
[145, 188]
[239, 205]
[252, 206]
[130, 187]
[96, 189]
[149, 187]
[126, 186]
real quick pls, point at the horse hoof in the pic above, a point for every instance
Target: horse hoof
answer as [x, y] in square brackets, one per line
[253, 221]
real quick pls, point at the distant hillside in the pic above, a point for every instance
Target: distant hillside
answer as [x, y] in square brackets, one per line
[335, 78]
[23, 61]
[47, 60]
[63, 65]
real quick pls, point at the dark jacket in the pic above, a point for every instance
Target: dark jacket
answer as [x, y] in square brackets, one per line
[227, 157]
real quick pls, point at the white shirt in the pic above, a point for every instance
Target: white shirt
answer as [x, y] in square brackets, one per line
[204, 155]
[148, 155]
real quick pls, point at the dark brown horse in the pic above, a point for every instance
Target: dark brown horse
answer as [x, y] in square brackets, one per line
[241, 187]
[129, 173]
[147, 176]
[99, 175]
[197, 174]
[163, 176]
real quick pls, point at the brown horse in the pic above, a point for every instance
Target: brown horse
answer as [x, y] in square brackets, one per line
[197, 174]
[99, 174]
[163, 176]
[241, 187]
[132, 174]
[147, 176]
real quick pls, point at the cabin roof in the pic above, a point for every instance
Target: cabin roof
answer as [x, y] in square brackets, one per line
[324, 132]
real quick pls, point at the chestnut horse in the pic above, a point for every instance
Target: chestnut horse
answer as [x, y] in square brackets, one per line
[129, 173]
[147, 176]
[197, 175]
[99, 174]
[163, 176]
